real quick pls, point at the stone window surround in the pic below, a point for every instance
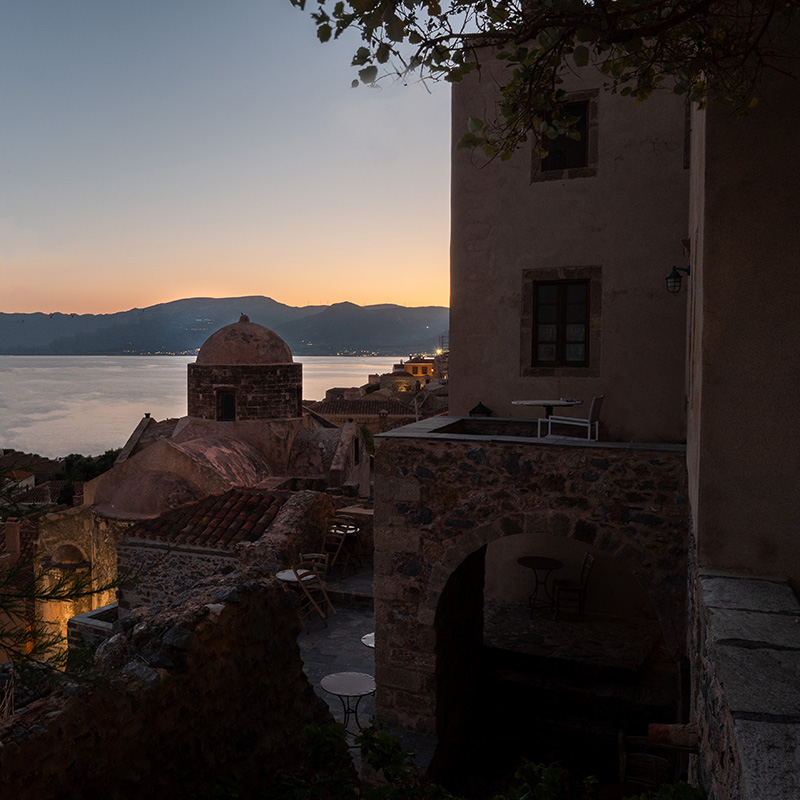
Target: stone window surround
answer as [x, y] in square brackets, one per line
[590, 170]
[530, 276]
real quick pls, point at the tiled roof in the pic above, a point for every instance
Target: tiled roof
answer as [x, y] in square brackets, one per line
[218, 521]
[344, 408]
[48, 493]
[28, 536]
[19, 474]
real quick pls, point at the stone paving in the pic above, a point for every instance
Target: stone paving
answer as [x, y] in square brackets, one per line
[338, 648]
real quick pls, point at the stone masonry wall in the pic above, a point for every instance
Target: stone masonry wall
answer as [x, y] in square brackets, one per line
[206, 699]
[159, 574]
[438, 501]
[745, 695]
[272, 391]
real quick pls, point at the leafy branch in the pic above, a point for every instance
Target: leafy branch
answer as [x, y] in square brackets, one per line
[701, 49]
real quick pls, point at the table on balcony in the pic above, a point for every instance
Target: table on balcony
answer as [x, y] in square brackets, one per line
[548, 405]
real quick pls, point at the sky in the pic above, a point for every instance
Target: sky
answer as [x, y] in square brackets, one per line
[157, 149]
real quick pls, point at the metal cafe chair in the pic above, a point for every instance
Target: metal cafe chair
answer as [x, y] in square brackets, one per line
[570, 593]
[592, 422]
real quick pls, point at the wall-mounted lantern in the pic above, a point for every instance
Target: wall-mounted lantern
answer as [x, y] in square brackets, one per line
[674, 279]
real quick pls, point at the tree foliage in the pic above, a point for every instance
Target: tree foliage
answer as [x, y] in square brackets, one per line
[77, 467]
[706, 48]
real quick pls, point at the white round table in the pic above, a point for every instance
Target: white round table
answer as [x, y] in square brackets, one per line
[349, 687]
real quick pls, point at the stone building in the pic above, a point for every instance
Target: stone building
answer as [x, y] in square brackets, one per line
[246, 428]
[458, 500]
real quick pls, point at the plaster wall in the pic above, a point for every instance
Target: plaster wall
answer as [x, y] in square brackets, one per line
[626, 223]
[744, 445]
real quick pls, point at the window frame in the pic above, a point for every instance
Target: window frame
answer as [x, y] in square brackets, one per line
[562, 323]
[538, 174]
[530, 277]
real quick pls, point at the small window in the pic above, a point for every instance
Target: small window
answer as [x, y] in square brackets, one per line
[565, 152]
[568, 158]
[415, 370]
[561, 324]
[226, 408]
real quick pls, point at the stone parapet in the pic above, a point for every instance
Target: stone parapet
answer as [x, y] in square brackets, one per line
[745, 693]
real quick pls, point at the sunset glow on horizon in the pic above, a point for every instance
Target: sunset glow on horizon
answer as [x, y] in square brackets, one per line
[152, 152]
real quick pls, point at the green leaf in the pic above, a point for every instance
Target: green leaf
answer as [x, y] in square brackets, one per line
[414, 38]
[324, 32]
[475, 124]
[395, 29]
[581, 55]
[383, 52]
[361, 57]
[368, 74]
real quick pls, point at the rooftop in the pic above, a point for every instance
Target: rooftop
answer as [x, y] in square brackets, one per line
[217, 522]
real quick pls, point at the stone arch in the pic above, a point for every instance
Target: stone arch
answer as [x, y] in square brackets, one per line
[665, 589]
[439, 501]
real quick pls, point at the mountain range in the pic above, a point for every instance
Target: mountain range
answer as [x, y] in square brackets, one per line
[182, 326]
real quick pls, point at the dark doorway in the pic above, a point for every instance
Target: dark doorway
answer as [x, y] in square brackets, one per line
[459, 644]
[226, 406]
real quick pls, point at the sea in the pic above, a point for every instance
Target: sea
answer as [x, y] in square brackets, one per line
[57, 405]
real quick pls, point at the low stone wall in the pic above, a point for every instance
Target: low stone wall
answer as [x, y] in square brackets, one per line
[745, 693]
[159, 573]
[88, 631]
[438, 501]
[298, 528]
[206, 699]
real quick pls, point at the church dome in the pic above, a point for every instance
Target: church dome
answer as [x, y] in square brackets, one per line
[244, 343]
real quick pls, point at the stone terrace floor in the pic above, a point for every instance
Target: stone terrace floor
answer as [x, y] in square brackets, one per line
[615, 644]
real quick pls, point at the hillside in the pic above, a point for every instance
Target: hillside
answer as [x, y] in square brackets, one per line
[183, 325]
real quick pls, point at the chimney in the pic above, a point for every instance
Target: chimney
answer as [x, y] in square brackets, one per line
[11, 530]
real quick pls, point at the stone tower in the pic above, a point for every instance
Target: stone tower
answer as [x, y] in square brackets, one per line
[245, 371]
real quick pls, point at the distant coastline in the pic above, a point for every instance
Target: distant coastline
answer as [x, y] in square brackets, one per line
[179, 328]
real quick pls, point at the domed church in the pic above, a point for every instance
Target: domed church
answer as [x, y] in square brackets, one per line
[245, 427]
[243, 372]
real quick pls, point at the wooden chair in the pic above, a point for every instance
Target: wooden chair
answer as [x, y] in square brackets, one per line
[341, 542]
[320, 560]
[572, 594]
[592, 422]
[315, 596]
[643, 763]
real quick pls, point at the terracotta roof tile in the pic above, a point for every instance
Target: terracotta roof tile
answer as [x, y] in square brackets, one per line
[215, 522]
[342, 408]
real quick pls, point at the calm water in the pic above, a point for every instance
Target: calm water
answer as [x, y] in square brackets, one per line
[56, 405]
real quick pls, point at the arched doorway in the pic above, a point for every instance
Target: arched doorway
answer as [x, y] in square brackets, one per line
[514, 683]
